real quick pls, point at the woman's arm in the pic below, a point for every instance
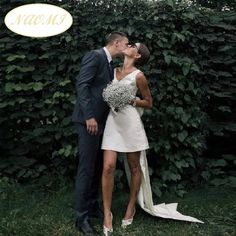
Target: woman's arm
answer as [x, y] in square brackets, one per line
[142, 84]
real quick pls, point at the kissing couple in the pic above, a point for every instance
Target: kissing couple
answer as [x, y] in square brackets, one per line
[103, 133]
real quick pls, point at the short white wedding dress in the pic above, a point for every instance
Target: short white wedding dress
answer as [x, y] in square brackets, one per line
[124, 132]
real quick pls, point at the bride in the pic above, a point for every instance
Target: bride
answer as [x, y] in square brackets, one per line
[124, 132]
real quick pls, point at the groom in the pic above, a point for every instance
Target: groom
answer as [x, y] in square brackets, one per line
[89, 116]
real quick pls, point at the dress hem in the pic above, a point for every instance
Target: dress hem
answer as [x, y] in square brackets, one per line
[126, 151]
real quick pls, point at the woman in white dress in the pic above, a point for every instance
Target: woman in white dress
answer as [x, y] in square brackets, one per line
[124, 132]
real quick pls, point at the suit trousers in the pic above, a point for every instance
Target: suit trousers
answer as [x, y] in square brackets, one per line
[89, 172]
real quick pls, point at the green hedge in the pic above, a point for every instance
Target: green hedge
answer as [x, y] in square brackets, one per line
[191, 74]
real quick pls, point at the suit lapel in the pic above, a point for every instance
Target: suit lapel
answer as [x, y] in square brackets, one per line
[107, 65]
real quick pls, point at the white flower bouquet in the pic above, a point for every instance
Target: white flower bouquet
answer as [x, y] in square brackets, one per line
[117, 96]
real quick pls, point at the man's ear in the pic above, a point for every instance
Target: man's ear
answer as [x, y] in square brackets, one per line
[116, 42]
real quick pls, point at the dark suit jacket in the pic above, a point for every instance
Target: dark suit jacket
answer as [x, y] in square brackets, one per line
[93, 78]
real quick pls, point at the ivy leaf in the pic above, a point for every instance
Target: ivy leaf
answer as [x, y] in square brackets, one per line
[68, 38]
[157, 191]
[180, 36]
[149, 35]
[41, 168]
[167, 58]
[218, 181]
[14, 57]
[186, 68]
[189, 15]
[232, 181]
[181, 136]
[195, 68]
[180, 86]
[231, 127]
[130, 30]
[26, 69]
[9, 87]
[37, 86]
[229, 157]
[187, 98]
[170, 3]
[225, 109]
[18, 87]
[184, 118]
[217, 163]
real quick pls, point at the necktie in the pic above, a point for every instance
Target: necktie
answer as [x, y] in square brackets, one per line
[111, 65]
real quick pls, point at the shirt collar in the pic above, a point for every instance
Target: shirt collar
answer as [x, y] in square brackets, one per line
[108, 54]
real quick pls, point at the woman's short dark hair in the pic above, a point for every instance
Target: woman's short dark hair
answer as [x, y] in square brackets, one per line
[110, 38]
[145, 55]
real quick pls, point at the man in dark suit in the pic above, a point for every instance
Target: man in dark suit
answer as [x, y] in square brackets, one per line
[90, 114]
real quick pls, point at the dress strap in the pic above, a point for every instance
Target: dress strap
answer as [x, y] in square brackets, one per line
[136, 72]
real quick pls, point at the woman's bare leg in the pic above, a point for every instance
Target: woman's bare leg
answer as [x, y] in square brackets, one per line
[109, 166]
[136, 175]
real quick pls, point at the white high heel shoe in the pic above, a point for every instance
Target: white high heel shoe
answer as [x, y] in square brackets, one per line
[127, 222]
[107, 231]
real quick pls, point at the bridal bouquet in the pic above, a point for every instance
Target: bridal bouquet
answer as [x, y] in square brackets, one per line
[117, 96]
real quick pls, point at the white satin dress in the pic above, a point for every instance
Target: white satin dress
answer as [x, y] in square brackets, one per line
[124, 132]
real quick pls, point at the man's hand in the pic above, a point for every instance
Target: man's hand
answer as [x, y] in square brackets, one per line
[92, 126]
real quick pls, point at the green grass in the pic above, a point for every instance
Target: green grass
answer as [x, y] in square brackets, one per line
[42, 211]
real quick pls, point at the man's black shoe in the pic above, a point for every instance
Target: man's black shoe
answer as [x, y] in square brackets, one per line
[96, 213]
[85, 227]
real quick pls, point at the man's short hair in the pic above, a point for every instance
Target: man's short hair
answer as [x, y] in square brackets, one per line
[113, 36]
